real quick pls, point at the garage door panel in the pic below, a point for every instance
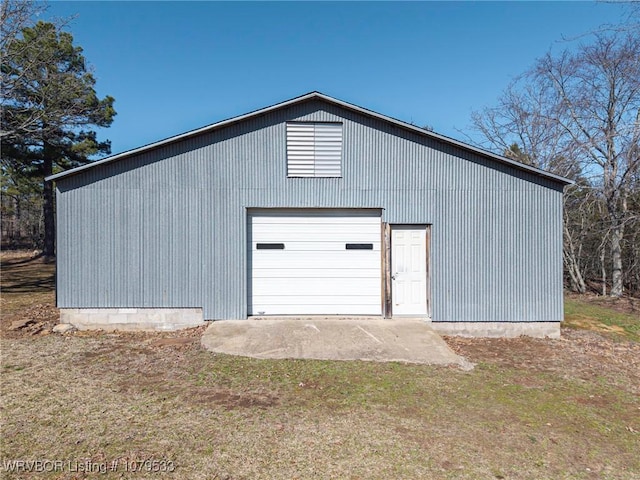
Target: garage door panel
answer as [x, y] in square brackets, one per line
[306, 302]
[360, 309]
[324, 231]
[318, 245]
[317, 300]
[314, 218]
[319, 286]
[293, 274]
[314, 235]
[304, 260]
[314, 222]
[314, 272]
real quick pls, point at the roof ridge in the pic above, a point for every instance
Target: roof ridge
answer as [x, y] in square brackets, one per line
[302, 98]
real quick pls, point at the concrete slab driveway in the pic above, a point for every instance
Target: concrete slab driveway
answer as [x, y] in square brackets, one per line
[374, 339]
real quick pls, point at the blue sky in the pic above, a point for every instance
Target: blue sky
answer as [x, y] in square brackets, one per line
[176, 66]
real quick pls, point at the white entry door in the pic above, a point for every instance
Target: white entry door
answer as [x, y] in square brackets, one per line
[409, 270]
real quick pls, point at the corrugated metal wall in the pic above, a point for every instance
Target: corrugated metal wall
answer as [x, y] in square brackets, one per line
[167, 228]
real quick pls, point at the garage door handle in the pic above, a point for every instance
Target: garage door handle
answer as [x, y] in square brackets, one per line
[393, 277]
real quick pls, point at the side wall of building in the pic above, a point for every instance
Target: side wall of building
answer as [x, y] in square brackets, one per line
[167, 228]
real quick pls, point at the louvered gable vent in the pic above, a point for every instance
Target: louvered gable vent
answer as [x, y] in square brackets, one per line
[314, 149]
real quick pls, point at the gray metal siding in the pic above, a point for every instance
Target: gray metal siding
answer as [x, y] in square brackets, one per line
[167, 228]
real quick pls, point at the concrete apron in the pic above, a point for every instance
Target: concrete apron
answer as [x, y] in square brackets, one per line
[332, 338]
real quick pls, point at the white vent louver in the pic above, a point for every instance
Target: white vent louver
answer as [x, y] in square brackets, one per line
[314, 149]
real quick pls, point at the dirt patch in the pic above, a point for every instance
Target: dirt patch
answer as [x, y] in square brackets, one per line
[38, 319]
[586, 322]
[626, 304]
[174, 342]
[27, 300]
[231, 400]
[584, 354]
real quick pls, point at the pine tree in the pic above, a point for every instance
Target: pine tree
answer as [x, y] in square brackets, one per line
[49, 105]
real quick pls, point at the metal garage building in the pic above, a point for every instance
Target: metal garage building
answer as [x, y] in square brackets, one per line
[313, 206]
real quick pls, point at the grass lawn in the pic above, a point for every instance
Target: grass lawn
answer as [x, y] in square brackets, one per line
[605, 315]
[531, 408]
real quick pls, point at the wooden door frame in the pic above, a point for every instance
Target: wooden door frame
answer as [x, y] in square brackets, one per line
[387, 305]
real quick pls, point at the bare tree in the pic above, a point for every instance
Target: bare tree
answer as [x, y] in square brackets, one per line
[578, 114]
[573, 236]
[15, 15]
[596, 94]
[521, 127]
[630, 18]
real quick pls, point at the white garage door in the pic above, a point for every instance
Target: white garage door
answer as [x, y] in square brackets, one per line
[314, 262]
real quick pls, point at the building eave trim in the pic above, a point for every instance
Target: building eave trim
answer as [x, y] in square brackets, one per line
[303, 98]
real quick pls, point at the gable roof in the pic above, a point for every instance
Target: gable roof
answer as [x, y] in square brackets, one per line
[327, 99]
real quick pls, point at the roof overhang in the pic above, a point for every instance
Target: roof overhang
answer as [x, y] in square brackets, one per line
[305, 98]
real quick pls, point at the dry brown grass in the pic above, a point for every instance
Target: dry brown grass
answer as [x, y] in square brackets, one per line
[618, 318]
[543, 409]
[28, 290]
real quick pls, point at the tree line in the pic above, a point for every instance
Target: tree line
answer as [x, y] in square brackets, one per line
[576, 113]
[49, 107]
